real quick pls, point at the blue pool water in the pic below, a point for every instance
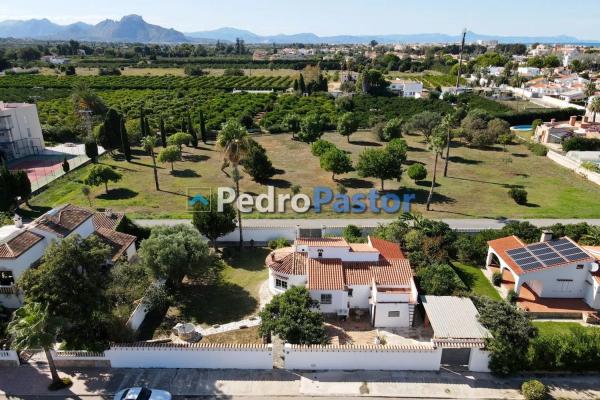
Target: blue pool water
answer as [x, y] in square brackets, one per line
[521, 128]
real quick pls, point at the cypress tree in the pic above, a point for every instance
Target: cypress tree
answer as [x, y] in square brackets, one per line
[8, 197]
[125, 148]
[163, 132]
[301, 84]
[22, 185]
[142, 121]
[147, 130]
[202, 127]
[192, 131]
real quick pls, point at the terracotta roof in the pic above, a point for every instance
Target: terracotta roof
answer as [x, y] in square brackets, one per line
[502, 245]
[325, 274]
[324, 242]
[63, 221]
[101, 220]
[288, 263]
[396, 272]
[117, 241]
[362, 247]
[19, 244]
[387, 249]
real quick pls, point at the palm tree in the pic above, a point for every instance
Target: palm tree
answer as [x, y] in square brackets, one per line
[448, 123]
[592, 238]
[594, 107]
[149, 143]
[235, 143]
[84, 98]
[32, 327]
[436, 146]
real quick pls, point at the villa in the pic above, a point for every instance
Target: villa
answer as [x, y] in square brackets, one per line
[22, 246]
[552, 276]
[371, 278]
[555, 132]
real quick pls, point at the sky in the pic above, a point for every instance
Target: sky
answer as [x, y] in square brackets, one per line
[577, 18]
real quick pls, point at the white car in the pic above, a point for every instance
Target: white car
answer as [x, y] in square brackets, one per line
[139, 393]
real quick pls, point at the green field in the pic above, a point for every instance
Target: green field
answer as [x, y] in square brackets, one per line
[477, 283]
[476, 186]
[555, 328]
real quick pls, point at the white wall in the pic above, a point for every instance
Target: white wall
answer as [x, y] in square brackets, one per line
[574, 166]
[360, 296]
[362, 358]
[137, 316]
[9, 358]
[199, 356]
[292, 280]
[339, 300]
[383, 321]
[550, 287]
[479, 360]
[592, 292]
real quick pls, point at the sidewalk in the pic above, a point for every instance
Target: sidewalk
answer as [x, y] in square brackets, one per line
[32, 381]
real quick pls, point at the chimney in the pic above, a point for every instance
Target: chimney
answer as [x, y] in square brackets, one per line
[18, 221]
[546, 236]
[108, 212]
[573, 120]
[553, 121]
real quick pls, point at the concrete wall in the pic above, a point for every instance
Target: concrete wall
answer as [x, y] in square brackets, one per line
[292, 280]
[417, 358]
[479, 360]
[137, 316]
[574, 166]
[383, 321]
[193, 356]
[80, 359]
[547, 281]
[360, 296]
[339, 300]
[9, 358]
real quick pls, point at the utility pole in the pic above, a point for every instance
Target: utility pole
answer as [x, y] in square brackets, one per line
[449, 127]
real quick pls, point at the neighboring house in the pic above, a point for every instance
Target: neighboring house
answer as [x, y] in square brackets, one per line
[549, 269]
[530, 72]
[406, 88]
[22, 245]
[372, 277]
[20, 131]
[555, 132]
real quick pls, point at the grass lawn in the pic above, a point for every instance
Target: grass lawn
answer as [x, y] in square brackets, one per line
[476, 186]
[521, 105]
[475, 280]
[240, 336]
[233, 297]
[553, 327]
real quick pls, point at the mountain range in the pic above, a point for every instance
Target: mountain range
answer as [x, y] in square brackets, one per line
[133, 28]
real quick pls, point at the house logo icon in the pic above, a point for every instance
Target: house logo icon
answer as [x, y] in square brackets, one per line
[198, 199]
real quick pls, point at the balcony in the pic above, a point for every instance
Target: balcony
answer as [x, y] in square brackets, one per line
[12, 289]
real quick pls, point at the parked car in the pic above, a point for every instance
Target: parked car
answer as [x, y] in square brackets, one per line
[140, 393]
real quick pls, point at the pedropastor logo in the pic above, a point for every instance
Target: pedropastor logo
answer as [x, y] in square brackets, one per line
[322, 199]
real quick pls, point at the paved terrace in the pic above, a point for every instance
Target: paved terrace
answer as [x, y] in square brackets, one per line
[31, 381]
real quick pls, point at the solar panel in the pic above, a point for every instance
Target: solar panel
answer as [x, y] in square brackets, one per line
[516, 252]
[531, 266]
[559, 242]
[554, 261]
[538, 246]
[521, 256]
[570, 251]
[543, 251]
[526, 260]
[577, 256]
[548, 257]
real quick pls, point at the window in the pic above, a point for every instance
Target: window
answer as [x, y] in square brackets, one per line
[6, 278]
[326, 299]
[280, 283]
[350, 292]
[320, 253]
[580, 266]
[393, 314]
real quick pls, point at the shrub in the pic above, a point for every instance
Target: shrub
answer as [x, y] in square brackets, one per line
[497, 278]
[417, 172]
[278, 243]
[518, 195]
[591, 166]
[440, 280]
[534, 390]
[537, 149]
[512, 297]
[352, 234]
[581, 144]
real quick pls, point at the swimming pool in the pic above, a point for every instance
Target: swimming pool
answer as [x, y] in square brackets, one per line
[521, 128]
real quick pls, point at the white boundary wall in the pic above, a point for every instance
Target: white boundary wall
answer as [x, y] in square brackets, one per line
[260, 234]
[392, 358]
[9, 358]
[191, 356]
[574, 166]
[479, 360]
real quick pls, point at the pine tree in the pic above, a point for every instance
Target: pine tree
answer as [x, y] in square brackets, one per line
[163, 132]
[192, 131]
[125, 149]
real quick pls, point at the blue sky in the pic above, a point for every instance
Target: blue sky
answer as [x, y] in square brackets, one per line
[331, 17]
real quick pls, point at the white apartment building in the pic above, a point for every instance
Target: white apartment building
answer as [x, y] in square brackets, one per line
[20, 131]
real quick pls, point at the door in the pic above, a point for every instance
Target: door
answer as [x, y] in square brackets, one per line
[455, 356]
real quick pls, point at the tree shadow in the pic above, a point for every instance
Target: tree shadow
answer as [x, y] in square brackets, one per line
[522, 175]
[422, 194]
[532, 205]
[249, 259]
[462, 160]
[139, 152]
[195, 157]
[33, 211]
[365, 143]
[146, 165]
[416, 149]
[520, 155]
[118, 194]
[486, 148]
[186, 173]
[468, 279]
[505, 185]
[174, 193]
[427, 184]
[356, 183]
[279, 183]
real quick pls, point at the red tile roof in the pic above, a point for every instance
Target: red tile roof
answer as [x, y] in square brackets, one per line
[325, 274]
[502, 245]
[117, 241]
[288, 263]
[394, 272]
[324, 242]
[387, 249]
[101, 220]
[19, 244]
[64, 220]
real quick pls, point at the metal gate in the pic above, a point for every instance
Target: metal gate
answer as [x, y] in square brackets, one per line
[310, 233]
[456, 356]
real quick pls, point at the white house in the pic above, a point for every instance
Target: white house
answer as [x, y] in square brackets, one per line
[23, 245]
[406, 88]
[550, 268]
[530, 72]
[373, 277]
[20, 130]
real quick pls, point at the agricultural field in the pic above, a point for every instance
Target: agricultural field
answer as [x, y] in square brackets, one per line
[476, 186]
[430, 79]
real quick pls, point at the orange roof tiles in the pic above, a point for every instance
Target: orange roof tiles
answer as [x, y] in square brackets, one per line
[101, 220]
[288, 263]
[324, 242]
[388, 250]
[19, 244]
[325, 274]
[502, 245]
[64, 221]
[117, 241]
